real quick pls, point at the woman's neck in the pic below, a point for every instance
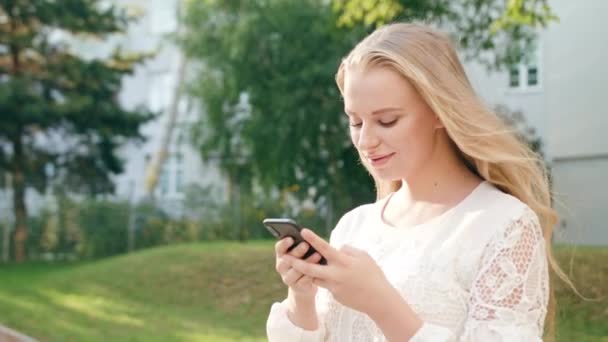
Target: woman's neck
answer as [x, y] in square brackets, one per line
[443, 183]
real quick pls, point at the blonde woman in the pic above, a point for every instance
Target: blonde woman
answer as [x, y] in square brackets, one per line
[456, 247]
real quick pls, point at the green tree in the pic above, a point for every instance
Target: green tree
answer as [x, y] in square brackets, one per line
[59, 115]
[272, 111]
[265, 81]
[495, 32]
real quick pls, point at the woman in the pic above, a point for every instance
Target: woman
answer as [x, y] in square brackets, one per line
[456, 246]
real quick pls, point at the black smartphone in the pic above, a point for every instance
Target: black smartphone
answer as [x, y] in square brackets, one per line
[284, 227]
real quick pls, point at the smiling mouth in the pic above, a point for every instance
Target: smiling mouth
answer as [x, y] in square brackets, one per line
[380, 160]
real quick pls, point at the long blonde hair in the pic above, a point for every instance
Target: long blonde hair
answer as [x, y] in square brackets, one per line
[427, 59]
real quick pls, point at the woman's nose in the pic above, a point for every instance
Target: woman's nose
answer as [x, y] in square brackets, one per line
[367, 138]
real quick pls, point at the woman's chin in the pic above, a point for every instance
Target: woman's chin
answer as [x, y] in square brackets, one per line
[388, 176]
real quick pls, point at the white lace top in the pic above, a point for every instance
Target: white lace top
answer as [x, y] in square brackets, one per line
[478, 272]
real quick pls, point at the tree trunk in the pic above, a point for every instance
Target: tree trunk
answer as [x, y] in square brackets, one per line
[6, 245]
[158, 160]
[18, 166]
[19, 206]
[156, 164]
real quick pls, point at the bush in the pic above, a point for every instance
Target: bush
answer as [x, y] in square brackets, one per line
[87, 228]
[105, 227]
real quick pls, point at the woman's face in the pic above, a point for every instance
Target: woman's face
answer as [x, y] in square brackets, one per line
[392, 127]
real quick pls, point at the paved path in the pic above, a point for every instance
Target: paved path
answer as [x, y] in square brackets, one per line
[10, 335]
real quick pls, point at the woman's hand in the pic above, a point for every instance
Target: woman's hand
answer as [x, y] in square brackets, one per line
[351, 275]
[300, 285]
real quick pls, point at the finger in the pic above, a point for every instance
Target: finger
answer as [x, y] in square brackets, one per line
[309, 269]
[300, 250]
[291, 277]
[314, 258]
[324, 248]
[282, 265]
[350, 250]
[282, 245]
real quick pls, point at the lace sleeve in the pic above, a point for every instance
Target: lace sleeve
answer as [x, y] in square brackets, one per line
[279, 328]
[510, 293]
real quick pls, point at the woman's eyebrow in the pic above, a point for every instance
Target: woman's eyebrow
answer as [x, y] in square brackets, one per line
[376, 112]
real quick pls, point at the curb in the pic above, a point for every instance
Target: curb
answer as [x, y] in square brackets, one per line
[10, 335]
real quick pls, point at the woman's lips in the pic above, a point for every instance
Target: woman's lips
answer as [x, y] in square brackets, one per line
[380, 160]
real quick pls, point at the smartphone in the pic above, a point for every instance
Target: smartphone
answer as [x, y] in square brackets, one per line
[284, 227]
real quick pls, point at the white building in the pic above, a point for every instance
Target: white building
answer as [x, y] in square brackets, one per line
[153, 84]
[562, 94]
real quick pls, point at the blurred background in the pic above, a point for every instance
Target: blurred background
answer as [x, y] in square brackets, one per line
[142, 142]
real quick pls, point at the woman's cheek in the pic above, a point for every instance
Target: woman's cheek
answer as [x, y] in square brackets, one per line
[354, 137]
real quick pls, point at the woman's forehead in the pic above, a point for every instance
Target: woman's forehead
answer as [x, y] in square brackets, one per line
[378, 87]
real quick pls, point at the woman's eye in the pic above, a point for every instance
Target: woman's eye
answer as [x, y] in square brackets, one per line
[355, 124]
[388, 123]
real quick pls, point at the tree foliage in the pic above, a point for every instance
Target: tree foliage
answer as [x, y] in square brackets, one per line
[59, 114]
[271, 111]
[497, 33]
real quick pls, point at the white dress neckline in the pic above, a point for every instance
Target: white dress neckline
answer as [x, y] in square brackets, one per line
[432, 221]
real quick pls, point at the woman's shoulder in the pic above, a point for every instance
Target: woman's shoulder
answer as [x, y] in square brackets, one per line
[352, 219]
[357, 214]
[496, 203]
[494, 212]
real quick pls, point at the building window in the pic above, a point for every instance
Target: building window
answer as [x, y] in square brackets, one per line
[514, 77]
[532, 76]
[171, 177]
[164, 179]
[179, 174]
[179, 182]
[526, 74]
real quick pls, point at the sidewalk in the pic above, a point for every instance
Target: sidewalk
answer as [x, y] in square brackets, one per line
[10, 335]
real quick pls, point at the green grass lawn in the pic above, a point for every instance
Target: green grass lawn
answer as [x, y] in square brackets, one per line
[578, 319]
[207, 292]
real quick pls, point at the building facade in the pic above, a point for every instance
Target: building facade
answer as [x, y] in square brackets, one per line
[561, 92]
[153, 85]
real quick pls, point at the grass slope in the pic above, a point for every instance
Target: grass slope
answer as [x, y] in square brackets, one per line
[203, 292]
[207, 292]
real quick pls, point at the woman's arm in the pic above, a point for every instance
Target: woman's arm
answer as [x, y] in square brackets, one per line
[280, 327]
[395, 317]
[510, 293]
[301, 319]
[302, 311]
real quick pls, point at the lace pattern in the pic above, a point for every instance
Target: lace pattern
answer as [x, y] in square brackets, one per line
[512, 286]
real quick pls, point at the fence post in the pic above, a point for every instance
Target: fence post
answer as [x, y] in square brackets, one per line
[131, 224]
[6, 242]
